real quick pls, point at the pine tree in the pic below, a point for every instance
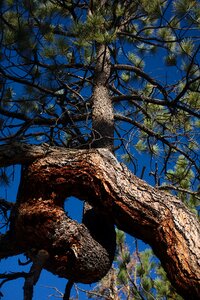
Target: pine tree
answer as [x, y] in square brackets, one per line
[103, 80]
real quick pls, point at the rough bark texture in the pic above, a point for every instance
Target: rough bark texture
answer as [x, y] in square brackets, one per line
[102, 110]
[154, 216]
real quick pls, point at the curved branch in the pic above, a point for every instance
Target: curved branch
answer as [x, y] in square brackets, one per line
[26, 82]
[178, 189]
[154, 216]
[158, 218]
[168, 104]
[142, 74]
[11, 276]
[34, 274]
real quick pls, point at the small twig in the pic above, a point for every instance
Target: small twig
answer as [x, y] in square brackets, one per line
[5, 206]
[20, 263]
[60, 294]
[142, 173]
[179, 189]
[91, 293]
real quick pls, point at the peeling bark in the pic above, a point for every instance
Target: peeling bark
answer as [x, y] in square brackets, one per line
[154, 216]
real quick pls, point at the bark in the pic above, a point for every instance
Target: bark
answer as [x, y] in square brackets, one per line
[154, 216]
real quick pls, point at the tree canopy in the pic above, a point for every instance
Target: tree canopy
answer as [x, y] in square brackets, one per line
[120, 75]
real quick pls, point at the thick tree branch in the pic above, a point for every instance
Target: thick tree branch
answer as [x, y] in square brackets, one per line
[154, 216]
[18, 153]
[68, 288]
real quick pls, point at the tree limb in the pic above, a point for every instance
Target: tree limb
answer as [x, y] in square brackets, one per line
[142, 74]
[154, 216]
[14, 153]
[38, 262]
[157, 136]
[68, 288]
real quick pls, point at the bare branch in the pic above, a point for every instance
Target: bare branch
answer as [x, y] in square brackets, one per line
[38, 262]
[157, 136]
[68, 288]
[164, 103]
[176, 188]
[142, 74]
[26, 82]
[12, 276]
[6, 204]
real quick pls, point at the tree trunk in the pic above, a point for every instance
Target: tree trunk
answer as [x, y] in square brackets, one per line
[102, 109]
[154, 216]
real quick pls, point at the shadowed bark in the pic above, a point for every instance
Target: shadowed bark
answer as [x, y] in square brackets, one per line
[154, 216]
